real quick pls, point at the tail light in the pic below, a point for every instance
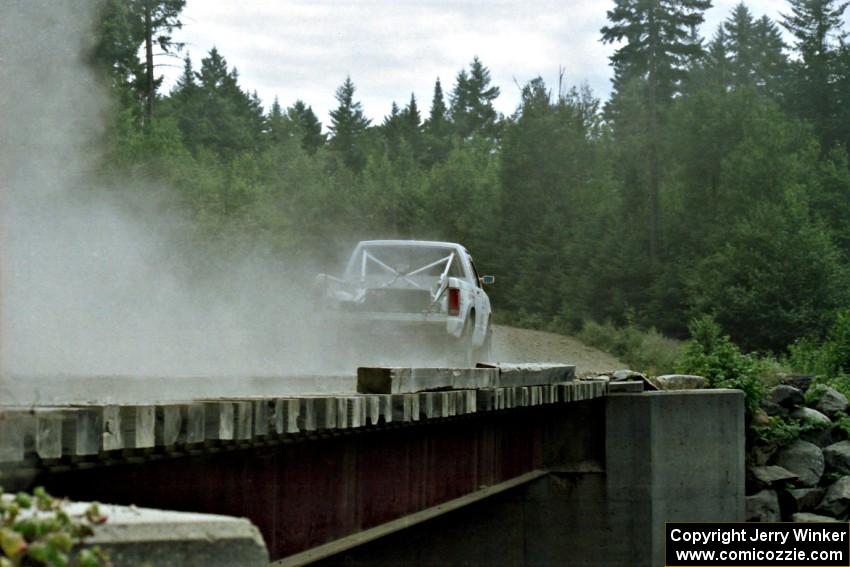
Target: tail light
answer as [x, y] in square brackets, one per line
[454, 301]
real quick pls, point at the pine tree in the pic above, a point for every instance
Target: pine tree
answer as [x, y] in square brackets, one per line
[280, 127]
[717, 61]
[116, 51]
[159, 19]
[308, 125]
[411, 119]
[392, 129]
[817, 29]
[472, 103]
[411, 126]
[755, 48]
[439, 112]
[771, 64]
[229, 119]
[658, 44]
[348, 127]
[740, 33]
[125, 28]
[184, 102]
[437, 129]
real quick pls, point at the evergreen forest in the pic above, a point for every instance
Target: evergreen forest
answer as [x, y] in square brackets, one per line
[714, 181]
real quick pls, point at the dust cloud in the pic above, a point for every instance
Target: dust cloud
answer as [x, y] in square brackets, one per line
[90, 286]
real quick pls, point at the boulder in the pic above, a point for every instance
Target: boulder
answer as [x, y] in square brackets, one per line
[799, 381]
[837, 456]
[820, 436]
[763, 507]
[772, 408]
[621, 375]
[812, 416]
[807, 518]
[760, 418]
[836, 501]
[830, 401]
[680, 382]
[761, 453]
[803, 459]
[804, 499]
[631, 375]
[766, 477]
[786, 396]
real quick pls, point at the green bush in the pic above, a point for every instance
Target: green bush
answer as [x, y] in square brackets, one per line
[829, 361]
[781, 431]
[36, 530]
[842, 422]
[807, 356]
[713, 355]
[647, 351]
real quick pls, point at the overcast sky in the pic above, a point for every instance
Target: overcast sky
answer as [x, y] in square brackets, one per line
[304, 49]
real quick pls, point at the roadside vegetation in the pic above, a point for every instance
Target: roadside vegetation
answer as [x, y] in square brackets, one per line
[35, 529]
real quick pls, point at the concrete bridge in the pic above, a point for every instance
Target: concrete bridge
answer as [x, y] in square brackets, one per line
[494, 466]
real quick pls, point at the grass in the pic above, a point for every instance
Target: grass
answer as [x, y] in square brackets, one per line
[646, 351]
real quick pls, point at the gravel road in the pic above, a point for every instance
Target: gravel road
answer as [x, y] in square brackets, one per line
[511, 344]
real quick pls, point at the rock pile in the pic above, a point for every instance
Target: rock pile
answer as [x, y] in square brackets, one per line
[806, 479]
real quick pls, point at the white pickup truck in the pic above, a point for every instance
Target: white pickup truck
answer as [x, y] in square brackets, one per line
[411, 294]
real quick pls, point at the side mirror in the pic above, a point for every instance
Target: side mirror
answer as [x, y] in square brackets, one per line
[488, 280]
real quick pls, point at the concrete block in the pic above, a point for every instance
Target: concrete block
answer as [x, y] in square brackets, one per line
[627, 387]
[562, 391]
[262, 411]
[138, 424]
[193, 424]
[531, 374]
[415, 413]
[81, 431]
[373, 409]
[386, 405]
[276, 425]
[307, 414]
[60, 390]
[460, 402]
[12, 425]
[524, 397]
[48, 434]
[355, 414]
[344, 417]
[428, 405]
[143, 536]
[401, 404]
[471, 401]
[444, 401]
[243, 428]
[410, 380]
[219, 421]
[290, 410]
[111, 435]
[485, 398]
[169, 422]
[649, 431]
